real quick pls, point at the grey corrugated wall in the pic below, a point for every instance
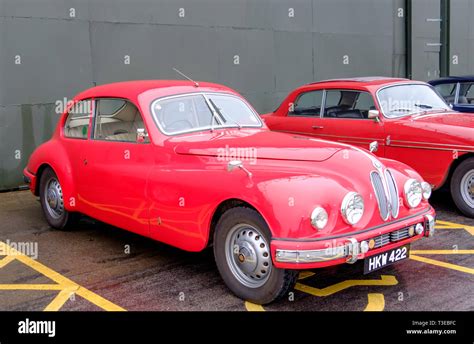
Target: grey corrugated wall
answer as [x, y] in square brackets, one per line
[50, 49]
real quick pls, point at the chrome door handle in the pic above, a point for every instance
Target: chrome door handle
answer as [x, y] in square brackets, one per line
[318, 127]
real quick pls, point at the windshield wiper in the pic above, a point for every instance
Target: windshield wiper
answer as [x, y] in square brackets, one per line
[424, 106]
[222, 116]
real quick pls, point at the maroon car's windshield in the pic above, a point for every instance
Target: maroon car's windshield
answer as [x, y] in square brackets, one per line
[202, 111]
[402, 100]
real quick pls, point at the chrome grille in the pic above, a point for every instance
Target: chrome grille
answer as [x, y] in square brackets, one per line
[382, 201]
[382, 240]
[400, 234]
[393, 194]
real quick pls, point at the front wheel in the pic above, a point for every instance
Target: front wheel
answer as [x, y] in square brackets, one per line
[52, 201]
[462, 187]
[242, 253]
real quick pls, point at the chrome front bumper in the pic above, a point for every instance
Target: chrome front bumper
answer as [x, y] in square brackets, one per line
[349, 250]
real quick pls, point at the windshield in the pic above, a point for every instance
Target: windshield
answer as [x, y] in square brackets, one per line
[403, 100]
[202, 111]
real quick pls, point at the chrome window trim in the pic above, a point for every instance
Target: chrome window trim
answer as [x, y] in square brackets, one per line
[403, 84]
[201, 129]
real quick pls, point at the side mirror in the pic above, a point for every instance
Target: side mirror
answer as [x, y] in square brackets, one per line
[373, 147]
[141, 135]
[375, 115]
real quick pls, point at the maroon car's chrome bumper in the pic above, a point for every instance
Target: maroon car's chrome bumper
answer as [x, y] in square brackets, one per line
[293, 254]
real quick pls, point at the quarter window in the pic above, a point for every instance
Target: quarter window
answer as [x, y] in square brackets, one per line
[308, 104]
[348, 104]
[119, 120]
[77, 122]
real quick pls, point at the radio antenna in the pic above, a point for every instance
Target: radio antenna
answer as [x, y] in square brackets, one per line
[196, 84]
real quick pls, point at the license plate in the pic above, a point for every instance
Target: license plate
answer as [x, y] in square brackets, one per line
[386, 258]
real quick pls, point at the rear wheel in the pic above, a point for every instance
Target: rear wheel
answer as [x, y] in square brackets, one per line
[242, 253]
[462, 187]
[52, 201]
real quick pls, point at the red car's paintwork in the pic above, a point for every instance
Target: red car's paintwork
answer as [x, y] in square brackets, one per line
[171, 188]
[430, 142]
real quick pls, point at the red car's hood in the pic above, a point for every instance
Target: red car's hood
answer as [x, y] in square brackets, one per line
[261, 144]
[456, 119]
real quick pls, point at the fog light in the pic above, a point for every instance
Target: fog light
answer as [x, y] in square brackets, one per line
[411, 231]
[371, 243]
[419, 228]
[364, 247]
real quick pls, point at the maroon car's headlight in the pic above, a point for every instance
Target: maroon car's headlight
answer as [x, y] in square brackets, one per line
[426, 187]
[413, 193]
[319, 218]
[352, 208]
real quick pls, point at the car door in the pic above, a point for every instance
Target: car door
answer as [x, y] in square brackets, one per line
[345, 118]
[117, 162]
[303, 114]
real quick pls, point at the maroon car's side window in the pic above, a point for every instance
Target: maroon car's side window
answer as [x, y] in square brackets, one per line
[77, 122]
[348, 104]
[308, 104]
[119, 120]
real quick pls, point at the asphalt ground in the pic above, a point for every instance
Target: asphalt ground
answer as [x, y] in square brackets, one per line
[94, 266]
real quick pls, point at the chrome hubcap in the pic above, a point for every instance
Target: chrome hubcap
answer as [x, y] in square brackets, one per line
[54, 198]
[467, 188]
[248, 255]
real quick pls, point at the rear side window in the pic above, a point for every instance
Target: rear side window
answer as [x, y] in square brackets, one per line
[308, 104]
[77, 122]
[119, 120]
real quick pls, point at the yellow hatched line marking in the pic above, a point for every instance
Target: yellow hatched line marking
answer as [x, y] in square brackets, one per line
[63, 283]
[252, 307]
[442, 252]
[442, 264]
[376, 303]
[305, 274]
[332, 289]
[31, 287]
[59, 300]
[452, 225]
[6, 260]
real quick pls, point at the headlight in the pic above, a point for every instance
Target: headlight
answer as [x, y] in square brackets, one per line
[413, 193]
[426, 187]
[319, 218]
[352, 208]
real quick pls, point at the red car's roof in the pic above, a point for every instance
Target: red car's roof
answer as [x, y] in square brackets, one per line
[132, 89]
[364, 81]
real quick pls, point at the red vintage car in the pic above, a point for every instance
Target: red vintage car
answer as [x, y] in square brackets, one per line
[192, 165]
[405, 120]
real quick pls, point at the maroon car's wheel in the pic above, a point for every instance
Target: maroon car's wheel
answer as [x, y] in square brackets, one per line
[462, 187]
[52, 201]
[242, 253]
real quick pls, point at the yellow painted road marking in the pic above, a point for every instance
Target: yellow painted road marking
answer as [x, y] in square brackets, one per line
[59, 300]
[31, 287]
[252, 307]
[6, 260]
[442, 252]
[332, 289]
[452, 225]
[305, 274]
[376, 303]
[64, 284]
[442, 264]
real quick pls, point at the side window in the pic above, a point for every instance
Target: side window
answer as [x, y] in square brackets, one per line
[119, 120]
[77, 122]
[307, 104]
[348, 104]
[447, 91]
[466, 93]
